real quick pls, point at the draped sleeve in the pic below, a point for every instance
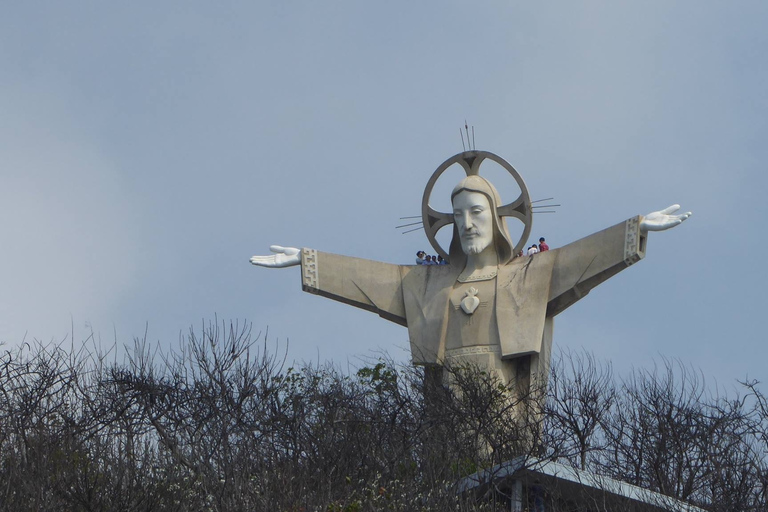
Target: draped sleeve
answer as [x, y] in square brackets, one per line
[366, 284]
[585, 263]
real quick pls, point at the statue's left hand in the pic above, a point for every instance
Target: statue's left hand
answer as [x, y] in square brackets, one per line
[661, 220]
[283, 257]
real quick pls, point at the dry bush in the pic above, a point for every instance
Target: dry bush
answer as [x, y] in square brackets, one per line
[223, 424]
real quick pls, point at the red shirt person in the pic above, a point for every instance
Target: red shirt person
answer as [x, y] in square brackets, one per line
[543, 245]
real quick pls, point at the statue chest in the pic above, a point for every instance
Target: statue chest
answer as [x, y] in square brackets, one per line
[472, 315]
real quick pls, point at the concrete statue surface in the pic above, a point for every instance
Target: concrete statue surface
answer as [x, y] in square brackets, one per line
[487, 306]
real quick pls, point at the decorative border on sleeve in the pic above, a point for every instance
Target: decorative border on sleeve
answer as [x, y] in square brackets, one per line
[309, 271]
[632, 252]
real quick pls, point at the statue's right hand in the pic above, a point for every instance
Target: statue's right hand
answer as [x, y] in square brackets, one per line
[283, 257]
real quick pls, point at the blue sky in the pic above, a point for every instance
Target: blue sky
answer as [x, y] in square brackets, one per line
[148, 149]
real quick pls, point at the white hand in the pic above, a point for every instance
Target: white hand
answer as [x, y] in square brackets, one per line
[283, 257]
[661, 220]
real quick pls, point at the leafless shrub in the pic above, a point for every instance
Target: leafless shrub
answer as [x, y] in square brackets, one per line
[581, 395]
[223, 424]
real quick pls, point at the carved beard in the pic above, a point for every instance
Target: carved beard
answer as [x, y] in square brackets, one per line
[475, 245]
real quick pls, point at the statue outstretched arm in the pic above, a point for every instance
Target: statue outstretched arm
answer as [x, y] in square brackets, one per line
[584, 264]
[282, 257]
[663, 219]
[365, 284]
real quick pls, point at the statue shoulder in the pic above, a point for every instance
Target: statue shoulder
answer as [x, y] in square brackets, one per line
[429, 276]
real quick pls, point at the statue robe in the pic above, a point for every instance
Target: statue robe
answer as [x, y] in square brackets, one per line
[530, 290]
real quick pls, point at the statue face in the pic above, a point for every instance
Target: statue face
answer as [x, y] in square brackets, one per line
[473, 216]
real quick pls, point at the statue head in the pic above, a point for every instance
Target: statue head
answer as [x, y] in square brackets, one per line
[475, 191]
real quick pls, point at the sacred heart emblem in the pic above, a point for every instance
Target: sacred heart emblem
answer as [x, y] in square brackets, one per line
[470, 302]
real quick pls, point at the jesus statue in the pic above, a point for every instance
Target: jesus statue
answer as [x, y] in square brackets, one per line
[488, 306]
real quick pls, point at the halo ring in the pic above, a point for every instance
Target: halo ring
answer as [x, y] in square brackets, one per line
[470, 162]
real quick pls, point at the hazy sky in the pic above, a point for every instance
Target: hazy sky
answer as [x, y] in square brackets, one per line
[148, 149]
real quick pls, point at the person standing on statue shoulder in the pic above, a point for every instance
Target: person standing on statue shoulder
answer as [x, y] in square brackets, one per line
[543, 245]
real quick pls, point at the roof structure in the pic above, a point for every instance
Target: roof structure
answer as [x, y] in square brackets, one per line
[529, 483]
